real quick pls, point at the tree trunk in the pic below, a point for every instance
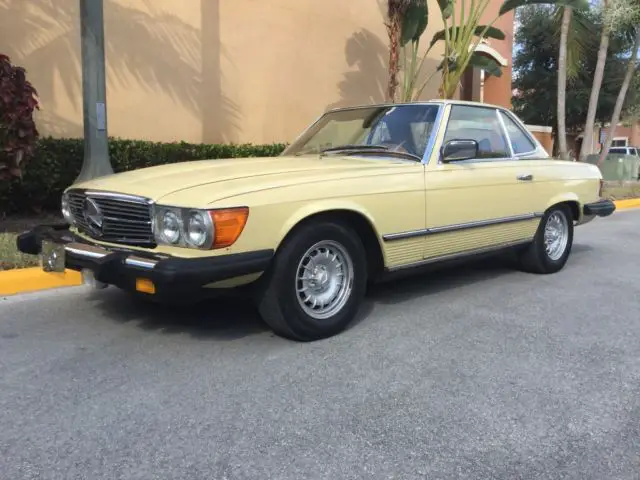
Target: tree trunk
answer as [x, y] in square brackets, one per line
[622, 95]
[589, 127]
[394, 28]
[562, 83]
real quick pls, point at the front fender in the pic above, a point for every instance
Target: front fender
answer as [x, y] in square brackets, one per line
[319, 207]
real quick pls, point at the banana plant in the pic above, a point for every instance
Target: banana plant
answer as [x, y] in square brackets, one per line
[463, 33]
[414, 24]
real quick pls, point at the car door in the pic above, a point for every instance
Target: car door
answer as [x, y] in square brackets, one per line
[479, 203]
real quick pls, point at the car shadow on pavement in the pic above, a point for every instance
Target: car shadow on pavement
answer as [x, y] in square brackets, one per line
[436, 280]
[232, 318]
[220, 319]
[444, 278]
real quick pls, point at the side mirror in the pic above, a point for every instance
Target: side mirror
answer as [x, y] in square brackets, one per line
[457, 150]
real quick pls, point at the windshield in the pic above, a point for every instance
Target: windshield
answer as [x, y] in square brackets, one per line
[393, 128]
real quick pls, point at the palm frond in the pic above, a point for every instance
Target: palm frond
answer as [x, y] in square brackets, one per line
[488, 64]
[492, 32]
[509, 5]
[446, 7]
[580, 39]
[415, 21]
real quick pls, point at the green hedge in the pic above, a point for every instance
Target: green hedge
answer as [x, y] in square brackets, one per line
[57, 163]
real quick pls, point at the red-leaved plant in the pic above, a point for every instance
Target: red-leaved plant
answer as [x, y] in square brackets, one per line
[18, 132]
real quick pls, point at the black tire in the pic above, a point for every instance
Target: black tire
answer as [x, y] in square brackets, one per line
[534, 258]
[278, 301]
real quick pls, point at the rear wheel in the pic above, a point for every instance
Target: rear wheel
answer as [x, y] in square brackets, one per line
[550, 249]
[316, 283]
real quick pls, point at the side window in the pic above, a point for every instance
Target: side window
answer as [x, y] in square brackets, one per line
[480, 124]
[519, 140]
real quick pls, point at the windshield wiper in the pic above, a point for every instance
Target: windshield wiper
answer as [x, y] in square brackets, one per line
[354, 147]
[340, 148]
[372, 149]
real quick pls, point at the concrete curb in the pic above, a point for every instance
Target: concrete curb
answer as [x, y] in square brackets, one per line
[24, 280]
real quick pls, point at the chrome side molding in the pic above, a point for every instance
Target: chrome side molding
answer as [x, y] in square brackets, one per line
[460, 226]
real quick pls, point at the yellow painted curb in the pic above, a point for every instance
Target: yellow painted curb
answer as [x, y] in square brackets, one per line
[23, 280]
[628, 203]
[32, 279]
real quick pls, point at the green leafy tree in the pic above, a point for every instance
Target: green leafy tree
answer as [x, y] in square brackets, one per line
[617, 17]
[536, 62]
[628, 13]
[464, 31]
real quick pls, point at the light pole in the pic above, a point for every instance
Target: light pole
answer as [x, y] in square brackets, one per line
[96, 151]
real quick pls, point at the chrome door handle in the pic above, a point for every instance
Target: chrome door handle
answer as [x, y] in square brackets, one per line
[525, 177]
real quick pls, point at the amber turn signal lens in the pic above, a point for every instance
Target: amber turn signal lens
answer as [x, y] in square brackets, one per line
[146, 286]
[228, 224]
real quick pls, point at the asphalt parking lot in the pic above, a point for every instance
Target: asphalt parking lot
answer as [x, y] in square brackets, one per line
[481, 372]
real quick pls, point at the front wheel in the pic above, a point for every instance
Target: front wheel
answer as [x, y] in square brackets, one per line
[550, 249]
[316, 283]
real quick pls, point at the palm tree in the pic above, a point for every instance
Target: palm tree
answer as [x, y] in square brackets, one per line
[587, 140]
[622, 95]
[562, 83]
[396, 10]
[574, 40]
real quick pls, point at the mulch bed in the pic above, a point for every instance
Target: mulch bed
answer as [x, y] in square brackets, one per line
[18, 224]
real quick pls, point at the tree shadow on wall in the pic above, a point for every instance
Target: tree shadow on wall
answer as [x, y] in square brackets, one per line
[367, 84]
[148, 48]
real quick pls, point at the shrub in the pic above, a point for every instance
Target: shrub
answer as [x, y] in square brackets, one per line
[18, 131]
[56, 164]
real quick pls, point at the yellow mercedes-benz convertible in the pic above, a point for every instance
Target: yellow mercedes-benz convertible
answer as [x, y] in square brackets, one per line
[364, 192]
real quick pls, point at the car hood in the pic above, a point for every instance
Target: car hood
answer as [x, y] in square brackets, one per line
[219, 179]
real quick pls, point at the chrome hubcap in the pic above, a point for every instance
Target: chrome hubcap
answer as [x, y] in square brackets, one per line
[556, 235]
[324, 279]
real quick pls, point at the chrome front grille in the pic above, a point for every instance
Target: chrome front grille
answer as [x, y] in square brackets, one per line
[112, 217]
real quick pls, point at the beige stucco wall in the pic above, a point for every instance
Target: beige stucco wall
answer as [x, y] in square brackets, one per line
[207, 70]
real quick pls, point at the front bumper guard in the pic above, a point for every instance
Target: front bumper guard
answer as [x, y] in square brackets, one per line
[60, 249]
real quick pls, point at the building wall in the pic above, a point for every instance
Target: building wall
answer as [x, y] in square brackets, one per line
[544, 135]
[497, 90]
[631, 133]
[211, 70]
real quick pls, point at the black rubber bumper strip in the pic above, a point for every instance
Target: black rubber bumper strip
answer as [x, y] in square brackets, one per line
[601, 208]
[168, 274]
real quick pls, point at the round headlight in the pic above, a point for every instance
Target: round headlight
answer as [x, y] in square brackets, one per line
[198, 229]
[66, 209]
[170, 227]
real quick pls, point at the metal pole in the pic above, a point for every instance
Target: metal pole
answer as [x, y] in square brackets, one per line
[96, 151]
